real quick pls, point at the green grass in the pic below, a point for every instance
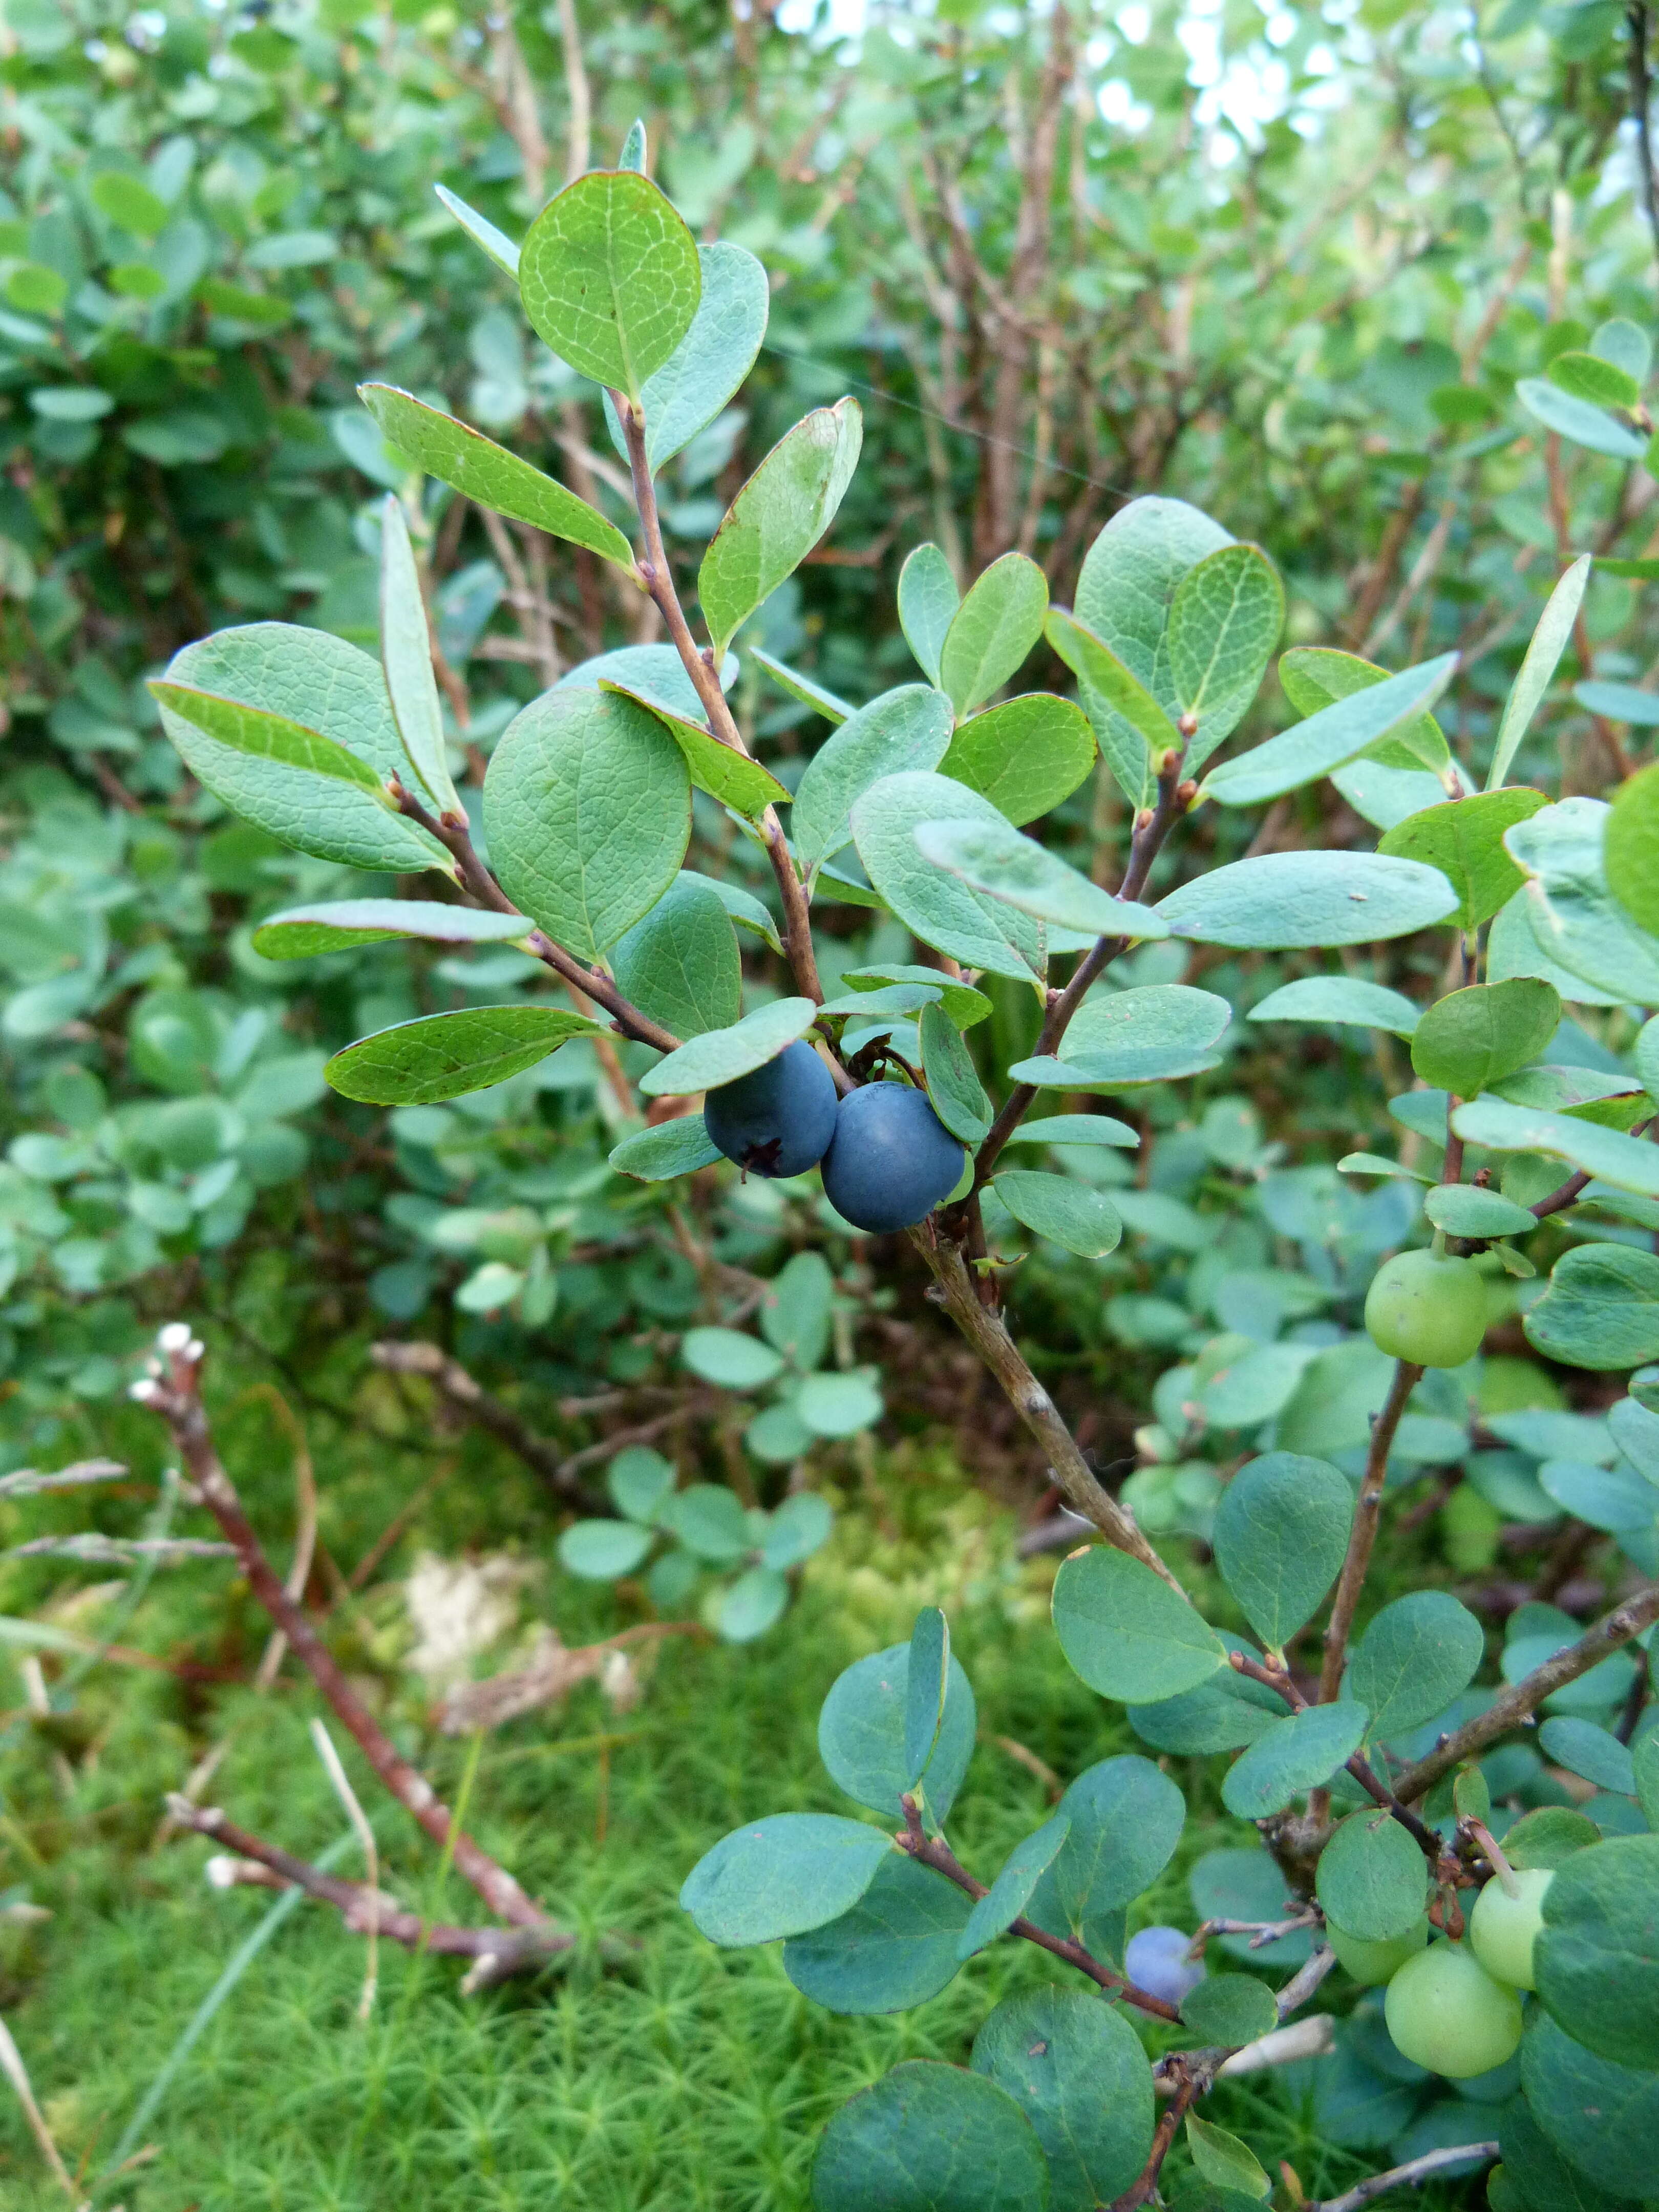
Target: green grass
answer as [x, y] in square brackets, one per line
[690, 2079]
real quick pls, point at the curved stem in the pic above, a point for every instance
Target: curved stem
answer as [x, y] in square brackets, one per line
[1152, 828]
[454, 834]
[699, 666]
[985, 1331]
[1362, 1536]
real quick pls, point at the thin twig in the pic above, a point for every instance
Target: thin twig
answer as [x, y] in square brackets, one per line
[359, 1820]
[27, 1483]
[1404, 2177]
[95, 1551]
[469, 1397]
[1523, 1698]
[175, 1394]
[989, 1338]
[1362, 1536]
[1143, 2190]
[933, 1851]
[11, 2064]
[658, 579]
[502, 1951]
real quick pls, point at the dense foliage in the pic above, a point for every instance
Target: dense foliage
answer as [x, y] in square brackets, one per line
[1425, 399]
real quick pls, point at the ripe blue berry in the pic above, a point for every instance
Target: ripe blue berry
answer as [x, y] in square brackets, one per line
[891, 1159]
[778, 1120]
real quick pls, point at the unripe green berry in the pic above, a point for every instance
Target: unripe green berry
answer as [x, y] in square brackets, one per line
[1371, 1964]
[1444, 2011]
[1503, 1929]
[1427, 1308]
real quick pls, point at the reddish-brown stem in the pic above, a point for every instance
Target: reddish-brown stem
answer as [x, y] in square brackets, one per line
[1153, 826]
[933, 1851]
[658, 579]
[1519, 1701]
[1145, 2187]
[1362, 1536]
[453, 835]
[497, 1952]
[176, 1395]
[1273, 1679]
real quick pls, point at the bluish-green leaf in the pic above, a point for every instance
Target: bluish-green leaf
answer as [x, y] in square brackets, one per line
[673, 1148]
[406, 654]
[496, 243]
[953, 1082]
[827, 703]
[1597, 1955]
[1281, 1531]
[1307, 898]
[1415, 1658]
[906, 729]
[1628, 1162]
[896, 1947]
[1127, 1632]
[300, 932]
[1011, 1893]
[1578, 420]
[720, 1056]
[1549, 642]
[930, 2138]
[1231, 2009]
[782, 1876]
[1372, 1879]
[1062, 1211]
[1469, 1041]
[587, 811]
[861, 1735]
[680, 965]
[927, 1679]
[1630, 852]
[1298, 1753]
[729, 1358]
[1081, 2074]
[980, 932]
[711, 361]
[1343, 999]
[1337, 734]
[927, 600]
[991, 856]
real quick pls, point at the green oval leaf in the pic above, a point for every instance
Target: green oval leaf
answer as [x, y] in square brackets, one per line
[1339, 733]
[928, 601]
[720, 1056]
[896, 1948]
[861, 1735]
[909, 728]
[1281, 1531]
[1127, 1632]
[991, 856]
[1024, 755]
[782, 1876]
[1081, 2076]
[446, 1055]
[1298, 1753]
[980, 932]
[487, 473]
[299, 933]
[1470, 1040]
[1067, 1213]
[993, 630]
[1225, 620]
[611, 278]
[680, 964]
[1286, 899]
[778, 517]
[1372, 1879]
[1343, 999]
[1464, 839]
[1011, 1893]
[930, 2138]
[1631, 854]
[1412, 1661]
[588, 813]
[953, 1082]
[673, 1148]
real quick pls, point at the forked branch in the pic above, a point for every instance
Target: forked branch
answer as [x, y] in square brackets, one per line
[174, 1391]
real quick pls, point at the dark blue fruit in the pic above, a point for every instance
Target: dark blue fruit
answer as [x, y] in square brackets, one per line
[891, 1159]
[779, 1121]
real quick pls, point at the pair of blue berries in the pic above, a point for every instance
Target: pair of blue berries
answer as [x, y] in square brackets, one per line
[886, 1158]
